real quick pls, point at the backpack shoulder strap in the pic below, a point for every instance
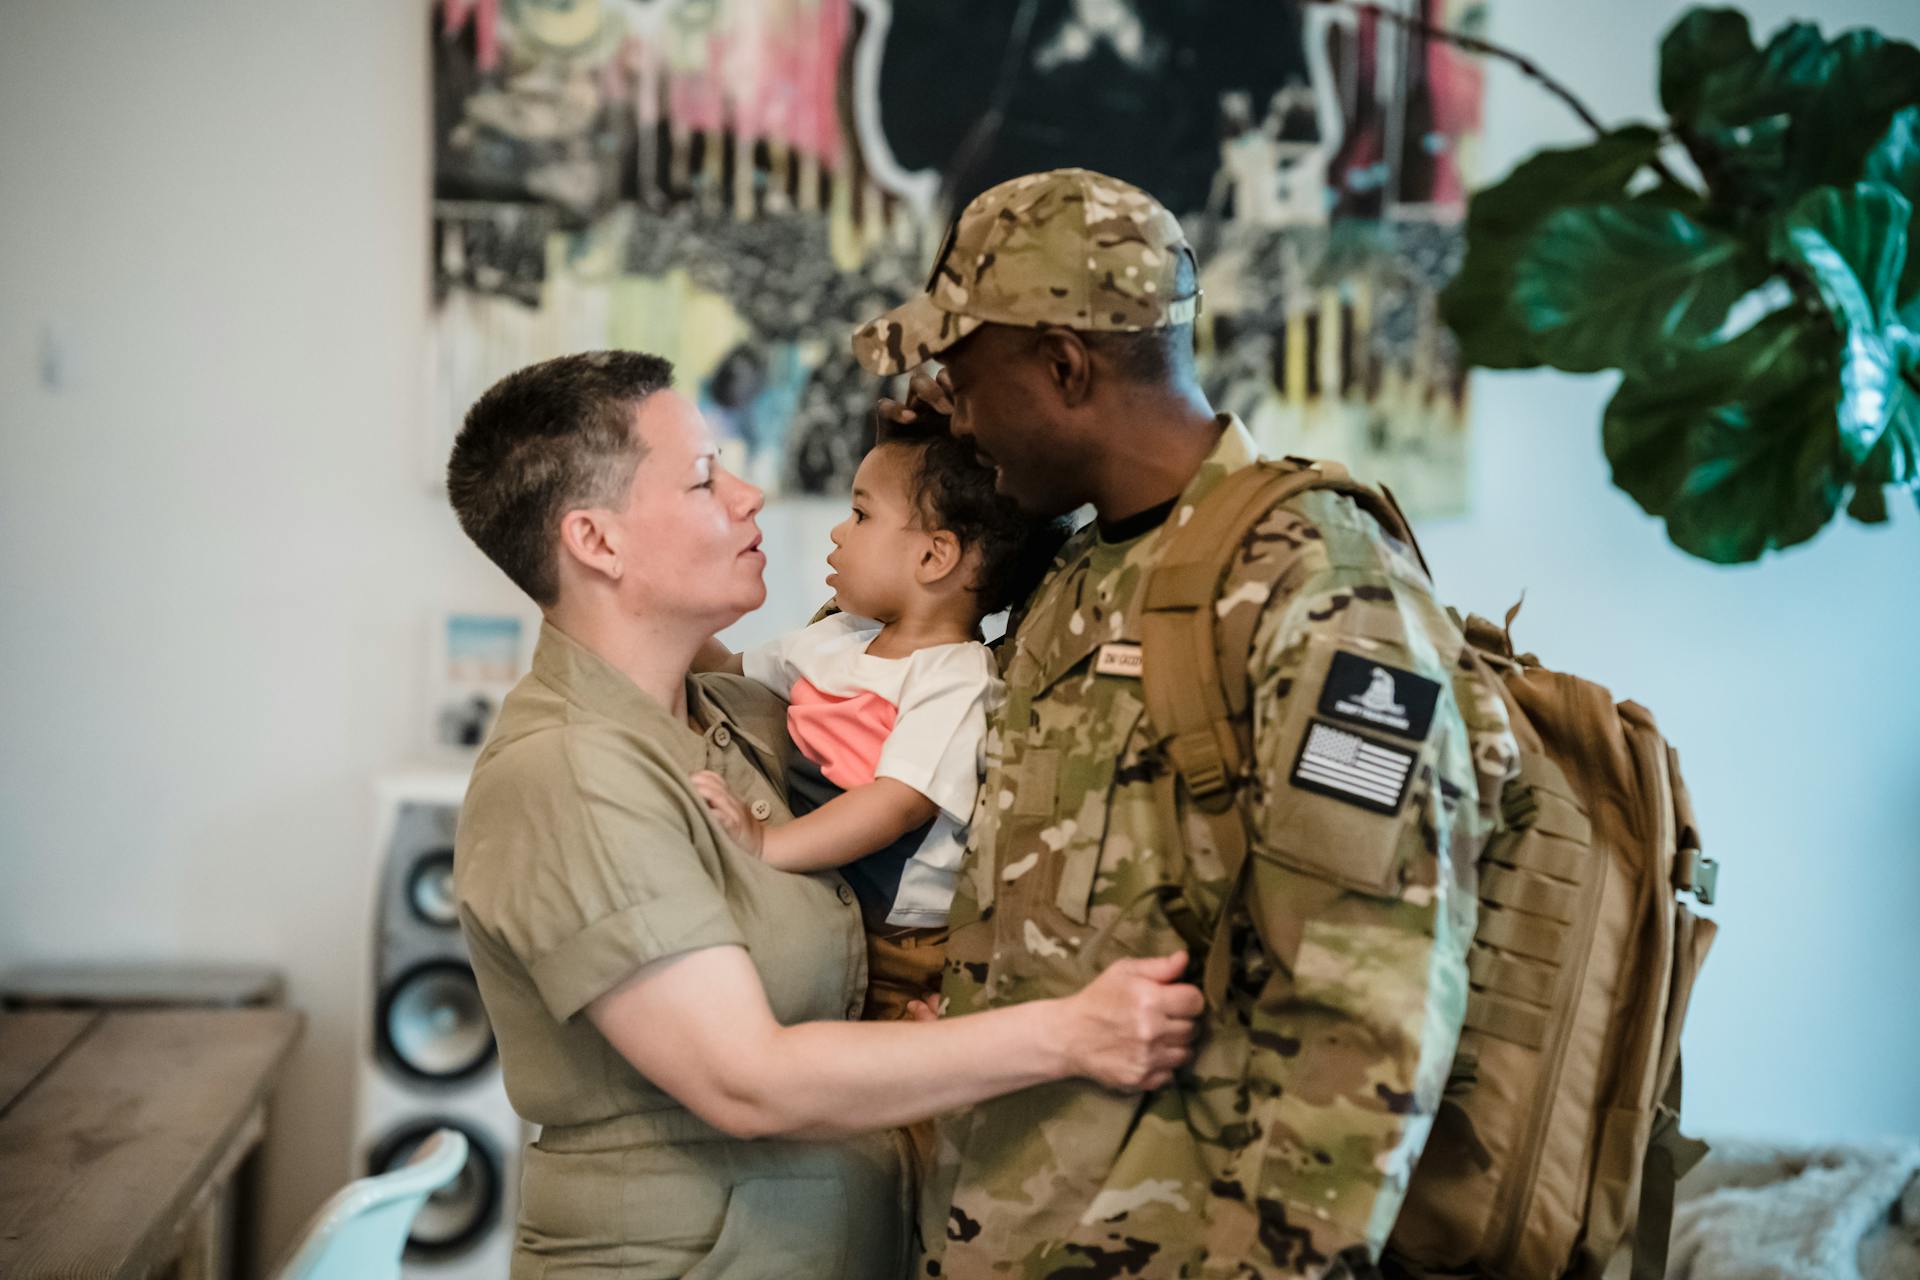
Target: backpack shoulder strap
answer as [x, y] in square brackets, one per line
[1193, 699]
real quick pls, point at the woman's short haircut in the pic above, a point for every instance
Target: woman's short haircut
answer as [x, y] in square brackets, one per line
[550, 439]
[952, 489]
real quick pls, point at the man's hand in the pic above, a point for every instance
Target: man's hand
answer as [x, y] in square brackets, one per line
[728, 813]
[934, 394]
[1131, 1026]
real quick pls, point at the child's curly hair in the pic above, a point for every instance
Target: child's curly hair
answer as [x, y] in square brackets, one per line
[952, 490]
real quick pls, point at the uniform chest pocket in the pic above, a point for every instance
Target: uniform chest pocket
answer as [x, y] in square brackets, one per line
[1085, 732]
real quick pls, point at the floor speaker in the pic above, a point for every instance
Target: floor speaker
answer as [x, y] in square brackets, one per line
[427, 1056]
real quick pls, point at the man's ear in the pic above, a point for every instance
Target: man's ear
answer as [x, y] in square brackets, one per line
[1069, 365]
[588, 537]
[938, 558]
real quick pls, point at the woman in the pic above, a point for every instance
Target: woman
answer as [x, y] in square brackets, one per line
[670, 1011]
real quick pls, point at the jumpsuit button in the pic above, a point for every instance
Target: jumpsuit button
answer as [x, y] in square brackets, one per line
[721, 737]
[761, 809]
[846, 894]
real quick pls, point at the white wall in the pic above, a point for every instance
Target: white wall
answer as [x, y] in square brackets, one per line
[218, 562]
[217, 551]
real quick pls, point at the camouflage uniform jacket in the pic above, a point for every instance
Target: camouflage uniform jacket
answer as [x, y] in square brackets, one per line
[1285, 1148]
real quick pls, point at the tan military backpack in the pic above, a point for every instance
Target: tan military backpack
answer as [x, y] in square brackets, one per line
[1559, 1124]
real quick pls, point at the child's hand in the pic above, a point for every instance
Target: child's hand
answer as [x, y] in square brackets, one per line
[923, 394]
[728, 813]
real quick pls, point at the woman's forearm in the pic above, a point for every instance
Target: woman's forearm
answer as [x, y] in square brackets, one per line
[698, 1026]
[825, 1079]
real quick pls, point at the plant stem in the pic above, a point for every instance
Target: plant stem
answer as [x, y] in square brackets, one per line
[1486, 48]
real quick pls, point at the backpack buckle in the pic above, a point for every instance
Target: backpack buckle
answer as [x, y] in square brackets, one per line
[1698, 876]
[1706, 881]
[1196, 758]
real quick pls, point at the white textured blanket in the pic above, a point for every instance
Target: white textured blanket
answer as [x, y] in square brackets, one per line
[1754, 1212]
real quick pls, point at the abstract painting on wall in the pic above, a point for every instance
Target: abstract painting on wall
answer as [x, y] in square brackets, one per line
[737, 184]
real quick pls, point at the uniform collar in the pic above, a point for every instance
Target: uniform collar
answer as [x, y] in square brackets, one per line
[1045, 633]
[591, 683]
[1233, 451]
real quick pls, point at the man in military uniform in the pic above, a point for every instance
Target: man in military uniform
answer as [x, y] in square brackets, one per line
[1061, 306]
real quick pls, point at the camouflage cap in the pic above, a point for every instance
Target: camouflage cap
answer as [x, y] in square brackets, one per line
[1066, 247]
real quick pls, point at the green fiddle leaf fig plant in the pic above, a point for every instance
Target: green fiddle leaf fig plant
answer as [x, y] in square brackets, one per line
[1763, 311]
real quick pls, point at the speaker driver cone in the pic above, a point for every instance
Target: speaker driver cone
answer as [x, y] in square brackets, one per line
[459, 1213]
[433, 1025]
[430, 889]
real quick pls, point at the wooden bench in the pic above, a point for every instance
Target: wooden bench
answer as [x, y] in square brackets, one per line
[121, 1133]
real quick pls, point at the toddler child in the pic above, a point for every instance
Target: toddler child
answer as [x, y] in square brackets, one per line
[890, 696]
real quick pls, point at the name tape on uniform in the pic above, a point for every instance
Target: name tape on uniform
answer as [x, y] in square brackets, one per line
[1118, 659]
[1335, 762]
[1364, 692]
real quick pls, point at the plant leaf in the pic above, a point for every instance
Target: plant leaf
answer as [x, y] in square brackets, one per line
[1766, 83]
[1895, 460]
[1799, 113]
[1895, 161]
[1853, 245]
[1734, 445]
[1478, 304]
[1869, 78]
[1702, 42]
[1614, 286]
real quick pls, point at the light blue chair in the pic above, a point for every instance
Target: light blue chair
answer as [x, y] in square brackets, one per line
[360, 1232]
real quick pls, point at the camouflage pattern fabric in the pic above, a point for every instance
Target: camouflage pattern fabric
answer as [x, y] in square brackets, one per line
[1065, 247]
[1285, 1148]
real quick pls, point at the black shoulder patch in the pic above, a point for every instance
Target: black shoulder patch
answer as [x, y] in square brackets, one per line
[1383, 698]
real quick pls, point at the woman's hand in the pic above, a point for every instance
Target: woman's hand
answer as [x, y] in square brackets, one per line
[728, 813]
[1131, 1026]
[935, 394]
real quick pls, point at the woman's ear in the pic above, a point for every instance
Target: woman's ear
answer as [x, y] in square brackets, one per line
[589, 539]
[1069, 365]
[939, 557]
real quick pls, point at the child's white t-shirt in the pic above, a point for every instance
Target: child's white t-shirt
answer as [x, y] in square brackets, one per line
[921, 720]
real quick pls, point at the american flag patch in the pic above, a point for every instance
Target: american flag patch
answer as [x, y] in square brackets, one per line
[1352, 768]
